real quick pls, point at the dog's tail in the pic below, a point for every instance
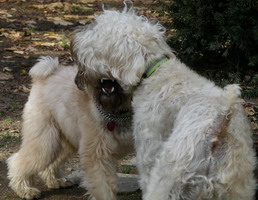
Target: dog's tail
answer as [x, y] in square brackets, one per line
[45, 66]
[232, 94]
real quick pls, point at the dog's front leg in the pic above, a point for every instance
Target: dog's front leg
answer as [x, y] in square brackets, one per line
[51, 175]
[99, 165]
[165, 178]
[148, 145]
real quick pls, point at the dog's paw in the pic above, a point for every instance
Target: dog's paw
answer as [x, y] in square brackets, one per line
[59, 183]
[29, 193]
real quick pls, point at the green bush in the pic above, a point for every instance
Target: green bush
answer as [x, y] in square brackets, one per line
[215, 34]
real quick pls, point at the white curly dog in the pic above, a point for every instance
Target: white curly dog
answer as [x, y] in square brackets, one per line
[192, 138]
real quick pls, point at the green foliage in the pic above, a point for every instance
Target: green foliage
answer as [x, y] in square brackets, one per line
[250, 93]
[6, 136]
[252, 90]
[64, 42]
[215, 34]
[9, 120]
[14, 105]
[76, 8]
[134, 196]
[127, 169]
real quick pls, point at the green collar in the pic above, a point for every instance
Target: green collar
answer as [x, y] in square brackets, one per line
[151, 67]
[154, 64]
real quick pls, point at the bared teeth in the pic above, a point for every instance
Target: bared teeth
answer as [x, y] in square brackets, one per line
[107, 90]
[103, 79]
[106, 79]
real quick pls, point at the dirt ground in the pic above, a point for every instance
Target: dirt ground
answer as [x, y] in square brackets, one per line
[33, 28]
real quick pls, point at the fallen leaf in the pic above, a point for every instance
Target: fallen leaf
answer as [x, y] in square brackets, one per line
[83, 22]
[23, 72]
[15, 35]
[19, 52]
[3, 12]
[7, 57]
[7, 69]
[10, 49]
[39, 7]
[47, 44]
[11, 34]
[87, 1]
[35, 39]
[29, 22]
[55, 5]
[90, 17]
[63, 23]
[53, 35]
[51, 6]
[254, 118]
[30, 49]
[254, 125]
[59, 21]
[14, 131]
[24, 89]
[10, 20]
[13, 9]
[250, 111]
[71, 17]
[67, 7]
[5, 76]
[5, 34]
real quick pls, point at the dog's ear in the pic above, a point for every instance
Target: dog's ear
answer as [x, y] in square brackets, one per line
[80, 80]
[73, 49]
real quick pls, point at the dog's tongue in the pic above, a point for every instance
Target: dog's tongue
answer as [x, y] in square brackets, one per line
[111, 125]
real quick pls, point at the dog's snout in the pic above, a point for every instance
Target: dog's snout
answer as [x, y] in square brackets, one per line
[108, 86]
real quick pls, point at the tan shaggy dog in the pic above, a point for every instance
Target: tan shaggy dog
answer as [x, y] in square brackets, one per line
[59, 119]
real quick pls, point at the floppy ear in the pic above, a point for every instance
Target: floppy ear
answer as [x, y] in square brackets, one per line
[80, 80]
[132, 69]
[73, 48]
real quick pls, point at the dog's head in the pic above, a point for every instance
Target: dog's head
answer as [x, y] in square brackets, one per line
[105, 91]
[117, 46]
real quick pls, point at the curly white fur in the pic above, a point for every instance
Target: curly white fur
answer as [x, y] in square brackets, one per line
[58, 120]
[115, 43]
[192, 138]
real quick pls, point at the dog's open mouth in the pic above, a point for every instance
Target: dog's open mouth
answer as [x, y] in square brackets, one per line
[108, 86]
[111, 97]
[113, 104]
